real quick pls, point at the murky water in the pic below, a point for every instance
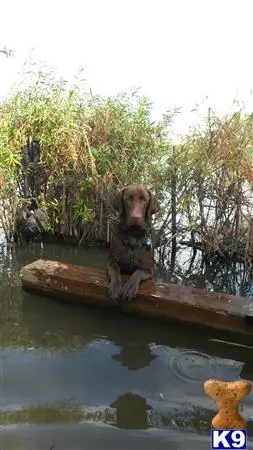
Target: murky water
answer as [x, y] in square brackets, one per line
[74, 378]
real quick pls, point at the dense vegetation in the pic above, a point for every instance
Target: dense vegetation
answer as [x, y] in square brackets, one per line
[91, 146]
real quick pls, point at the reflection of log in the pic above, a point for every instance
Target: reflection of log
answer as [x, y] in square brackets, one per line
[163, 301]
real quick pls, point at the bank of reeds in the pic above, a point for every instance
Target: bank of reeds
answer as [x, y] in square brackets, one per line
[92, 146]
[218, 201]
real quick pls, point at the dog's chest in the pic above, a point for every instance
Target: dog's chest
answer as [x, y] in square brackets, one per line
[134, 254]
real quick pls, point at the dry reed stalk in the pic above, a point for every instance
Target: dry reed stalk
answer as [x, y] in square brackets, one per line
[249, 244]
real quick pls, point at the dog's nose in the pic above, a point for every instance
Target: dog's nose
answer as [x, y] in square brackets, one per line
[136, 217]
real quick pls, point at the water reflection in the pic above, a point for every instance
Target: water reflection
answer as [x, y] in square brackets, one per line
[132, 411]
[135, 356]
[72, 365]
[80, 436]
[233, 278]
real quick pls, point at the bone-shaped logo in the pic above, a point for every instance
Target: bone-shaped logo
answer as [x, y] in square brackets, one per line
[227, 397]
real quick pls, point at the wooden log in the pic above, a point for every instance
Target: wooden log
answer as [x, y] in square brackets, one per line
[163, 301]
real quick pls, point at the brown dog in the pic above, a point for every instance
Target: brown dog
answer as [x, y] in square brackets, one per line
[131, 250]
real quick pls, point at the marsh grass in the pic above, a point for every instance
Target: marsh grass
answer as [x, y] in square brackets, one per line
[92, 146]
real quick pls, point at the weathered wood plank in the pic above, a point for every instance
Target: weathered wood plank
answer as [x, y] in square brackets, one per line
[163, 301]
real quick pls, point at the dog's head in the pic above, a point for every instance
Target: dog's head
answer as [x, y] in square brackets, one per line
[136, 205]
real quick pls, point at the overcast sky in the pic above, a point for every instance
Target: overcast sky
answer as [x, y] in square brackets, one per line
[177, 51]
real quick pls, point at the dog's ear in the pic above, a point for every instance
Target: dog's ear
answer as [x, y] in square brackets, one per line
[117, 203]
[153, 206]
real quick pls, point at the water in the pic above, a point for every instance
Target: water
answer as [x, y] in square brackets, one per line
[73, 378]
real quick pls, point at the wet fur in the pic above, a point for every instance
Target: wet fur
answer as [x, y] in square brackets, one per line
[129, 252]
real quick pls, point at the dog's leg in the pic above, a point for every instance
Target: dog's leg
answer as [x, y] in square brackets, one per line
[113, 272]
[130, 288]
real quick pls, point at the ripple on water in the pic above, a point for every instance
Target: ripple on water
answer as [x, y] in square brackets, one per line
[189, 366]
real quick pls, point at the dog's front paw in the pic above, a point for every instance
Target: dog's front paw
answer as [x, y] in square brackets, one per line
[129, 291]
[114, 292]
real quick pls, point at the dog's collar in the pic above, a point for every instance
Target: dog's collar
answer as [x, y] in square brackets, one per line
[147, 242]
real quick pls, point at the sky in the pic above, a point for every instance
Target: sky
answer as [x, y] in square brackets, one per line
[179, 52]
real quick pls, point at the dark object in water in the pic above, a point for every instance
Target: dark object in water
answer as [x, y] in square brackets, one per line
[30, 224]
